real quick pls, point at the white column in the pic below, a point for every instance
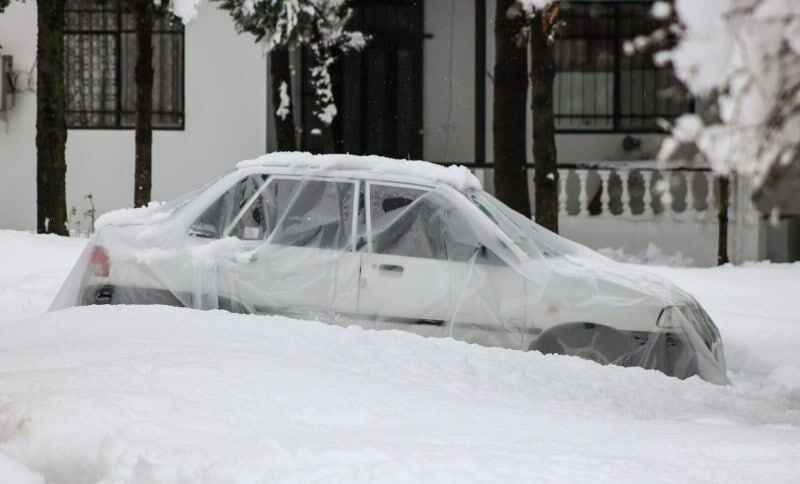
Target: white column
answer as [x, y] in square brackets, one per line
[624, 174]
[583, 199]
[605, 196]
[647, 195]
[562, 191]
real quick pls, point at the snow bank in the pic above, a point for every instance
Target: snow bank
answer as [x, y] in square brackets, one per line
[32, 269]
[653, 255]
[457, 176]
[157, 394]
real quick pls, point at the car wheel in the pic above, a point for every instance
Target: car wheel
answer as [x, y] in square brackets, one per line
[589, 341]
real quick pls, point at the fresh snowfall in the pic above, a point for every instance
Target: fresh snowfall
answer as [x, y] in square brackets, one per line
[162, 395]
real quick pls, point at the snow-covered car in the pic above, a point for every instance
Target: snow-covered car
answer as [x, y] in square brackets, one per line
[391, 244]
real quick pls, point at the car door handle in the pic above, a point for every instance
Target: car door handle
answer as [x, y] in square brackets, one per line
[391, 268]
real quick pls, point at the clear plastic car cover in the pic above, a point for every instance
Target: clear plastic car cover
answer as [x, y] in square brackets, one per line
[397, 248]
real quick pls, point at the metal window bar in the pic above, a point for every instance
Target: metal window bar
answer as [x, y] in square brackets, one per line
[599, 88]
[99, 60]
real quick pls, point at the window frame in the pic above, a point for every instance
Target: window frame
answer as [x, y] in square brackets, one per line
[618, 39]
[118, 112]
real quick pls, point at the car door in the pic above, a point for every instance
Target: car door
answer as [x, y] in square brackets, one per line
[426, 269]
[305, 265]
[404, 278]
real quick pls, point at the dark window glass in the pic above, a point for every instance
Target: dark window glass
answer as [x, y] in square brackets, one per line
[317, 214]
[99, 60]
[599, 88]
[418, 223]
[399, 218]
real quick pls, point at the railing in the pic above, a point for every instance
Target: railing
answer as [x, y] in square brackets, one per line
[636, 190]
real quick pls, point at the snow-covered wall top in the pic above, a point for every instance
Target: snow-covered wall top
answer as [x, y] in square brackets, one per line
[455, 175]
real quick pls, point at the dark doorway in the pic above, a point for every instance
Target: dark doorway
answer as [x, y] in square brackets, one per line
[378, 91]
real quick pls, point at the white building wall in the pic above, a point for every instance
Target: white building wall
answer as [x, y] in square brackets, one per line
[225, 96]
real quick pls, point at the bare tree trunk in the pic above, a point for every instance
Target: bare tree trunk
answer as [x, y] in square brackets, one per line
[143, 75]
[543, 73]
[508, 127]
[280, 72]
[51, 130]
[722, 219]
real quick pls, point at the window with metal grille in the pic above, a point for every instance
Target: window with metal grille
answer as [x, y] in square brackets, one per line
[99, 60]
[600, 88]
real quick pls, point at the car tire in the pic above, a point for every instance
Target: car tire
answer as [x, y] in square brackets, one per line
[590, 341]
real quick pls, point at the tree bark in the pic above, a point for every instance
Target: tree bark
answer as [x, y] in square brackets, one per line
[545, 180]
[508, 126]
[143, 75]
[51, 130]
[280, 72]
[722, 219]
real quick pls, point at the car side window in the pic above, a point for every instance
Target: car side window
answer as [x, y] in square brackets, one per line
[216, 218]
[403, 222]
[414, 222]
[317, 213]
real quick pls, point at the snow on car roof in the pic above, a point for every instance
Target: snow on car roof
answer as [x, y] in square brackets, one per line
[457, 176]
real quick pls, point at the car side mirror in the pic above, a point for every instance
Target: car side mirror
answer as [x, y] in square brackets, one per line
[203, 230]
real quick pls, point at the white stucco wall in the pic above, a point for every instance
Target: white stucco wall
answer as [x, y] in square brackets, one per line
[225, 86]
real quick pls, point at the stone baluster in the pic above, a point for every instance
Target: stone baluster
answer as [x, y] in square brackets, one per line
[583, 198]
[625, 198]
[605, 196]
[647, 194]
[562, 191]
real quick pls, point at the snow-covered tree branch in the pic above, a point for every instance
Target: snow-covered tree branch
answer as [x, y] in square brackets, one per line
[743, 58]
[316, 24]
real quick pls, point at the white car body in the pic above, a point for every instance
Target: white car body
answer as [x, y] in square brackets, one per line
[508, 292]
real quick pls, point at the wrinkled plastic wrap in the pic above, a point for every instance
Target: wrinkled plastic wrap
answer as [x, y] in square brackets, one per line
[391, 245]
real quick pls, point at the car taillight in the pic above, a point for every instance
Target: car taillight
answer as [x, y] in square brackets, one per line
[99, 261]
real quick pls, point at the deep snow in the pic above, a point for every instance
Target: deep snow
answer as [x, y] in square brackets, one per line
[155, 394]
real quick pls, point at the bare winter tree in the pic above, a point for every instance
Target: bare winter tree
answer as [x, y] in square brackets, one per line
[145, 14]
[510, 92]
[51, 130]
[279, 25]
[541, 33]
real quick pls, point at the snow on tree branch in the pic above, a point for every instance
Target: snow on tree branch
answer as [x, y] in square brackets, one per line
[186, 10]
[316, 24]
[743, 58]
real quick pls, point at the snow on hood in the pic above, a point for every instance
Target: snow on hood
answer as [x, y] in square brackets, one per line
[457, 176]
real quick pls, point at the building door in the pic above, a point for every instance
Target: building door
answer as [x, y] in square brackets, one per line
[378, 91]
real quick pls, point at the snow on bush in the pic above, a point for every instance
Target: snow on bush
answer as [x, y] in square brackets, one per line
[742, 58]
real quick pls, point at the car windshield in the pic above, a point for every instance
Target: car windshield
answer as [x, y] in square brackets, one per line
[531, 238]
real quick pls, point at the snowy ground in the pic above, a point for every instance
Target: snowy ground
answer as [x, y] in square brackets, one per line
[153, 394]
